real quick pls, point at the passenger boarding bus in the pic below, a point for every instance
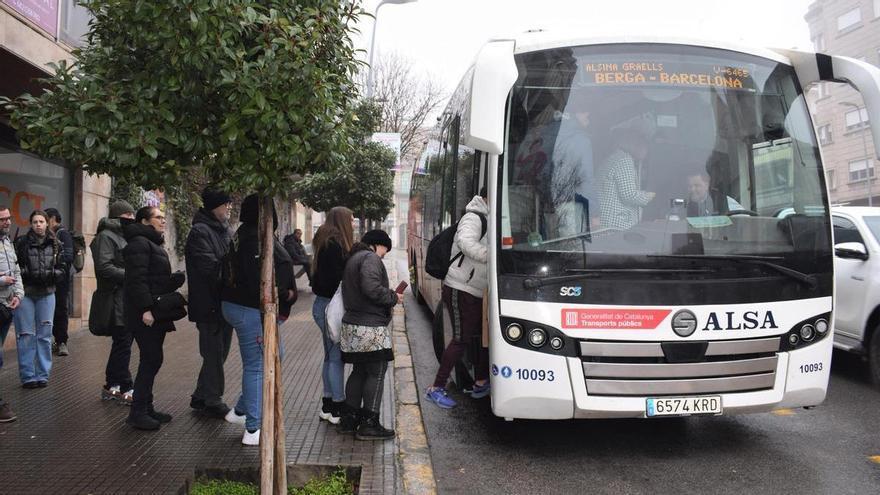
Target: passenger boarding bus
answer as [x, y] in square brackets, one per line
[639, 262]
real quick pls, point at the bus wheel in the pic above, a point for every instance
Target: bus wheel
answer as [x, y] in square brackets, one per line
[874, 356]
[438, 331]
[414, 281]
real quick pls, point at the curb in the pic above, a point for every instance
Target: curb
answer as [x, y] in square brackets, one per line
[413, 453]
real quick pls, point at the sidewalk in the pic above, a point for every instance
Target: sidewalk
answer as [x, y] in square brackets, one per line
[67, 440]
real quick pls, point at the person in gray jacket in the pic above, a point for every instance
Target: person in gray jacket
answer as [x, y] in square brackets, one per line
[365, 339]
[11, 293]
[106, 315]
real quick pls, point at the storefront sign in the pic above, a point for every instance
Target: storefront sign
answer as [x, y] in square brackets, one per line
[28, 183]
[43, 13]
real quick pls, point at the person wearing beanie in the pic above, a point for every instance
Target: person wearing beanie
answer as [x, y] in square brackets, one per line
[241, 308]
[121, 209]
[206, 246]
[106, 313]
[365, 339]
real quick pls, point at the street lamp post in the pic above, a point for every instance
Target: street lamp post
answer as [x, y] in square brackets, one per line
[373, 42]
[870, 161]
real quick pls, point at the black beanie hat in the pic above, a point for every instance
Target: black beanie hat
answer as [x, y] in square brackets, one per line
[212, 198]
[377, 238]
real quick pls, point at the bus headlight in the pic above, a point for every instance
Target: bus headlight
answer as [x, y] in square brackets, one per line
[556, 343]
[514, 332]
[808, 332]
[821, 326]
[537, 337]
[793, 339]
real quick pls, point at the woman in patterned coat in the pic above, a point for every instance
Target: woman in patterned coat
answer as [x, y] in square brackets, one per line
[621, 198]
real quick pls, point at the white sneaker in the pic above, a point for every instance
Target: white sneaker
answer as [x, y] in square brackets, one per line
[251, 438]
[235, 419]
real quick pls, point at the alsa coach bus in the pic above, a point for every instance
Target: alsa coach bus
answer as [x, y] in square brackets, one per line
[639, 263]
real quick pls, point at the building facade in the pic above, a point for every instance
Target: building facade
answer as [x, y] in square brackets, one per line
[850, 28]
[34, 34]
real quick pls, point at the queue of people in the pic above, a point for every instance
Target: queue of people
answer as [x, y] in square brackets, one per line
[137, 301]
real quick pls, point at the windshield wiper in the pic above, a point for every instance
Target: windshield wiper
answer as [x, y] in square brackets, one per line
[582, 273]
[805, 278]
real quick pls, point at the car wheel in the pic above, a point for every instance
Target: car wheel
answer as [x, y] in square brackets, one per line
[874, 356]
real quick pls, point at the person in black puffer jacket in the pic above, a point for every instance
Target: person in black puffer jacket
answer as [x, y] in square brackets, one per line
[147, 276]
[241, 309]
[39, 256]
[365, 339]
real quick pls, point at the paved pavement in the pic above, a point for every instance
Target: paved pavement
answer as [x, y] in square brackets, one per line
[67, 440]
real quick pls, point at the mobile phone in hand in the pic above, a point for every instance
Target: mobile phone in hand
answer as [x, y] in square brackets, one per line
[401, 287]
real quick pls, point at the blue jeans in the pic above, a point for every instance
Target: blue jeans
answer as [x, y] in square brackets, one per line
[33, 330]
[248, 325]
[333, 372]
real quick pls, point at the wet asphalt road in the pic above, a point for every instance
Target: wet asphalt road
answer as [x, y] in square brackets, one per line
[826, 450]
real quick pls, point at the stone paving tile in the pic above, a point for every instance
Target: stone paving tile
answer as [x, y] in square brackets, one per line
[67, 440]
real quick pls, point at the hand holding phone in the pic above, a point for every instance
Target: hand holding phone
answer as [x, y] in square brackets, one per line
[401, 287]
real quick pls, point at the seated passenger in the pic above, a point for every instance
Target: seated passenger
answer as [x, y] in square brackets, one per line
[620, 196]
[700, 203]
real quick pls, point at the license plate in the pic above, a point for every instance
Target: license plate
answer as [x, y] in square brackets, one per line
[683, 406]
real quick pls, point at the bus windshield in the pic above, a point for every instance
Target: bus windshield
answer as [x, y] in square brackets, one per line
[641, 153]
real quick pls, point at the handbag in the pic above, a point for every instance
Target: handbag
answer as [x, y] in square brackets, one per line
[169, 307]
[101, 312]
[5, 317]
[333, 315]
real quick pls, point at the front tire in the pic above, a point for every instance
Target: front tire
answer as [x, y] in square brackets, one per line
[874, 356]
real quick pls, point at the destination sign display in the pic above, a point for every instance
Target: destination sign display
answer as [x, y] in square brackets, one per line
[641, 73]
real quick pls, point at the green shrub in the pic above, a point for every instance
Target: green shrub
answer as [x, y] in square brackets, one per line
[222, 487]
[334, 484]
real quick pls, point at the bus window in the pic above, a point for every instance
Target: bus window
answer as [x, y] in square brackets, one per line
[450, 158]
[464, 179]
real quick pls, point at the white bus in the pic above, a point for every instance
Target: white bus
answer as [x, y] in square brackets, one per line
[639, 264]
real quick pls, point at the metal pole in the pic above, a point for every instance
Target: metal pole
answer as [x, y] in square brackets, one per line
[372, 45]
[868, 159]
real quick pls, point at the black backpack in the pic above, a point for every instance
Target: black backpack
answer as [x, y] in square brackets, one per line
[439, 256]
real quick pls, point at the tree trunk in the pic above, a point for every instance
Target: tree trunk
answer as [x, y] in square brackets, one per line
[273, 464]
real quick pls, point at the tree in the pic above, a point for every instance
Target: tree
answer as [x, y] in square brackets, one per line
[250, 92]
[363, 181]
[406, 98]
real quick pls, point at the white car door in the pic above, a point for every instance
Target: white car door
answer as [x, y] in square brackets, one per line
[851, 277]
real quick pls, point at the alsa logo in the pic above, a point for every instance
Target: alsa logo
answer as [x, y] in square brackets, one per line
[749, 320]
[570, 291]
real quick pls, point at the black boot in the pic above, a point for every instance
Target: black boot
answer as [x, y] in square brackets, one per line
[141, 420]
[348, 422]
[158, 416]
[370, 428]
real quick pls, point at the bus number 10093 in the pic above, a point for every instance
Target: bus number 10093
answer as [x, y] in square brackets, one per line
[536, 375]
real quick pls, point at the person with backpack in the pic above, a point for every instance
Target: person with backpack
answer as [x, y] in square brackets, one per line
[39, 257]
[206, 245]
[241, 309]
[333, 242]
[365, 339]
[462, 294]
[106, 311]
[62, 289]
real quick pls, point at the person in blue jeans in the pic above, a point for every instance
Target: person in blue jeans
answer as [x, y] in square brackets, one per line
[240, 305]
[11, 293]
[332, 243]
[40, 261]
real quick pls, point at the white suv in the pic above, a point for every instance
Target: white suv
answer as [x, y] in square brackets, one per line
[857, 280]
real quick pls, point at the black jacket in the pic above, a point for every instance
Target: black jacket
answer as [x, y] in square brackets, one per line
[241, 283]
[40, 262]
[330, 266]
[107, 249]
[147, 275]
[296, 250]
[206, 245]
[365, 293]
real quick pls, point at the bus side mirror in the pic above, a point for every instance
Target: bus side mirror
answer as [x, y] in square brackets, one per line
[851, 250]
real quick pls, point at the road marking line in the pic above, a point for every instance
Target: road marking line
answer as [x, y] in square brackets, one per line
[784, 412]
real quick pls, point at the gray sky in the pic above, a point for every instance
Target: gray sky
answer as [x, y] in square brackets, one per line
[442, 37]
